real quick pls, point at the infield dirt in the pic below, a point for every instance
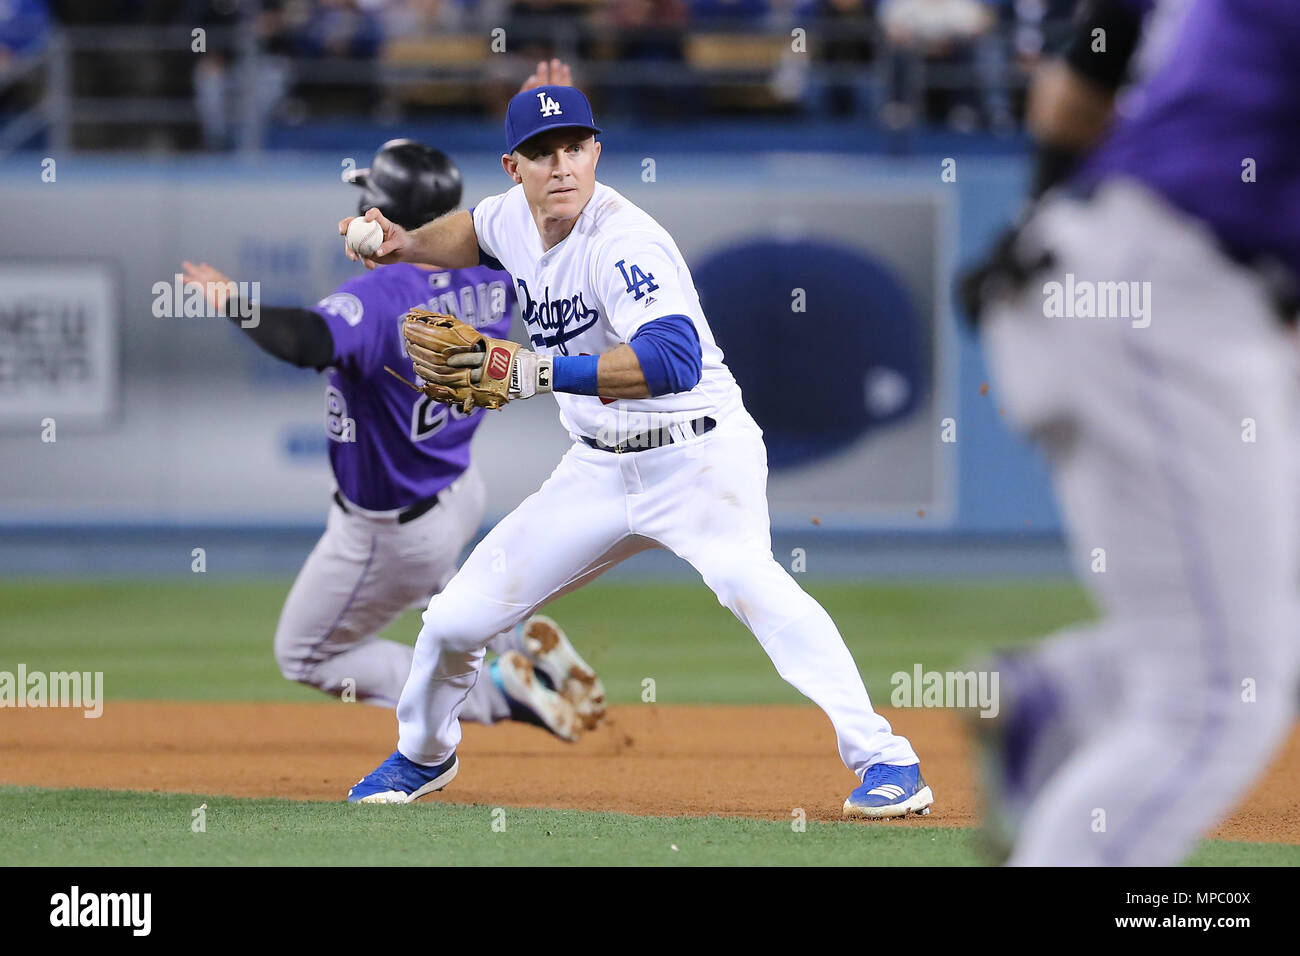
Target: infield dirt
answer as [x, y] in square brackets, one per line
[650, 760]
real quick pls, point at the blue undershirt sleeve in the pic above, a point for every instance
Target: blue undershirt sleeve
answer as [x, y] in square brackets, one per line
[668, 349]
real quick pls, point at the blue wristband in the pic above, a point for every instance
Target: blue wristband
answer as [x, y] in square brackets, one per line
[575, 374]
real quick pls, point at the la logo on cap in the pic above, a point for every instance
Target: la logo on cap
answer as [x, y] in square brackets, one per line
[549, 106]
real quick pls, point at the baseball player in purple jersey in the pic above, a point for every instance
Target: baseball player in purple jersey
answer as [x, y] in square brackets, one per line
[407, 499]
[1140, 327]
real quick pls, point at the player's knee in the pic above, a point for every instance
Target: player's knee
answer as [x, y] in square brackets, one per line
[459, 625]
[293, 658]
[737, 584]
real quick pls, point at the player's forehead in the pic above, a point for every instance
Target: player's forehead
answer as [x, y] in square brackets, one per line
[551, 140]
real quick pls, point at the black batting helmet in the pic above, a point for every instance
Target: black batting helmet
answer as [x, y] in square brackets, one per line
[410, 183]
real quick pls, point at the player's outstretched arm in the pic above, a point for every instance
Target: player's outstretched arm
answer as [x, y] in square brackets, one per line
[448, 242]
[297, 336]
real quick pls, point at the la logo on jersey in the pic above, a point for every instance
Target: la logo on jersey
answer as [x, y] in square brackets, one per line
[638, 283]
[548, 106]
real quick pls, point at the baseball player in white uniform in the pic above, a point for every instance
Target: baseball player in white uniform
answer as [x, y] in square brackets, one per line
[407, 498]
[1148, 345]
[664, 455]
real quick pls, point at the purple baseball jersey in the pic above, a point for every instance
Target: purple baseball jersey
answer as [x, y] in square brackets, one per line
[389, 445]
[1215, 126]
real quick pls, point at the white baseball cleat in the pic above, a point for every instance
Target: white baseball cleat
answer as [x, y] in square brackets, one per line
[556, 659]
[530, 700]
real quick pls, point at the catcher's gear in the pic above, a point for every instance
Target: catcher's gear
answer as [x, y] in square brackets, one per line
[458, 365]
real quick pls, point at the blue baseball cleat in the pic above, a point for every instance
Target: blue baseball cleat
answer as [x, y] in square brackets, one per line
[399, 780]
[888, 790]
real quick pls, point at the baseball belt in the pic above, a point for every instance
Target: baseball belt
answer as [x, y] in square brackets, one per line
[653, 439]
[409, 514]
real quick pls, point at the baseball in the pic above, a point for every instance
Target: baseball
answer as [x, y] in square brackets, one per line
[364, 236]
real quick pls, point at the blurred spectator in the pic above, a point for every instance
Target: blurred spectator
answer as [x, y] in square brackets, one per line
[937, 60]
[933, 35]
[407, 18]
[339, 28]
[338, 46]
[703, 11]
[1041, 26]
[845, 39]
[645, 31]
[217, 89]
[539, 8]
[992, 66]
[24, 28]
[1036, 29]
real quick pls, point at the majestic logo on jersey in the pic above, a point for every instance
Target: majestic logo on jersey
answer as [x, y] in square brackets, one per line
[553, 322]
[548, 106]
[638, 283]
[345, 305]
[498, 363]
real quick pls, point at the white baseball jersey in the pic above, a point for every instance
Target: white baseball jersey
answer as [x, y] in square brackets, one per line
[704, 497]
[617, 270]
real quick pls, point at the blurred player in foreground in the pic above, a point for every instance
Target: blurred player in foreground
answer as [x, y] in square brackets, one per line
[408, 499]
[1139, 326]
[664, 453]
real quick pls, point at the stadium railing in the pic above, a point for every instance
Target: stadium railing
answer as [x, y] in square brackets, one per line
[746, 70]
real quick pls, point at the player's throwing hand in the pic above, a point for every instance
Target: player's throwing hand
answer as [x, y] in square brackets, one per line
[396, 241]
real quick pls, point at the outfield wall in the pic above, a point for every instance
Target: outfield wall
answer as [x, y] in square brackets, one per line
[181, 421]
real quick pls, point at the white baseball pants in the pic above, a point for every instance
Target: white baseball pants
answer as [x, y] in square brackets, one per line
[1174, 452]
[365, 571]
[704, 499]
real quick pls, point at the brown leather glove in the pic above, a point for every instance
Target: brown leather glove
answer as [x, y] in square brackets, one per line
[458, 365]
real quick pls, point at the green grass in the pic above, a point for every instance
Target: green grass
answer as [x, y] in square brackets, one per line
[104, 827]
[210, 639]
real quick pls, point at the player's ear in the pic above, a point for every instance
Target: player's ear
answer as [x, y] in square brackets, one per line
[597, 159]
[511, 166]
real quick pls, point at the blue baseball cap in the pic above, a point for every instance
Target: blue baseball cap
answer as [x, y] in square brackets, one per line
[546, 108]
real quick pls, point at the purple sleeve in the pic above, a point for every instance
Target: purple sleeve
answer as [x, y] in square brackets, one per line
[358, 314]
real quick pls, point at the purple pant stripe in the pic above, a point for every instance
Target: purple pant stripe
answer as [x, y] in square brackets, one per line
[309, 659]
[1213, 644]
